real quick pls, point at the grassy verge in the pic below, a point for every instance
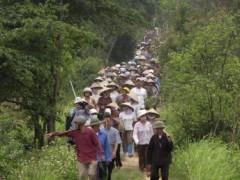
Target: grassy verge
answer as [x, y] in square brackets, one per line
[58, 163]
[206, 160]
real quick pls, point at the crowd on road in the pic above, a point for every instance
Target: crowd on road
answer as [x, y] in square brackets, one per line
[119, 115]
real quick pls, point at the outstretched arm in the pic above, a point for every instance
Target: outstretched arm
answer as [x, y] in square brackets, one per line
[60, 134]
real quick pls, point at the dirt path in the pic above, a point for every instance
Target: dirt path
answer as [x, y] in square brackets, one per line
[132, 163]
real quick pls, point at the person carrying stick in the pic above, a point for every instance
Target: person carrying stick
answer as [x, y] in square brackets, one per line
[87, 146]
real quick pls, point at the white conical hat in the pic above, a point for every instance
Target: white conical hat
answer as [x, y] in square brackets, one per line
[153, 111]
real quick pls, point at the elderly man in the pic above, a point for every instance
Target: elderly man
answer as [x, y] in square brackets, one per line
[159, 152]
[87, 146]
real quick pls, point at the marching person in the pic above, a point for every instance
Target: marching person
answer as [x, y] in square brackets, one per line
[116, 123]
[159, 152]
[122, 97]
[142, 133]
[152, 116]
[104, 100]
[114, 139]
[140, 92]
[87, 93]
[104, 141]
[128, 117]
[87, 146]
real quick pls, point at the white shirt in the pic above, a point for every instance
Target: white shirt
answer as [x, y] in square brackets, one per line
[127, 120]
[142, 133]
[136, 108]
[95, 97]
[114, 95]
[141, 94]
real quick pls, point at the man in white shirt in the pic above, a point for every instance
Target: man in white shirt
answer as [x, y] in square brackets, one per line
[140, 92]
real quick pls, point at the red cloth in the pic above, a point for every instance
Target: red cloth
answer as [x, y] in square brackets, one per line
[87, 144]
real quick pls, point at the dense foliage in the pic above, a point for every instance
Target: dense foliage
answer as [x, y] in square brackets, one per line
[200, 60]
[46, 43]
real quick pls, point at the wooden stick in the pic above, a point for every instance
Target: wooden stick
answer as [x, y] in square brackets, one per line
[75, 129]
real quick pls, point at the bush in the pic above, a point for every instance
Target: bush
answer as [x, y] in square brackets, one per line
[15, 139]
[54, 162]
[206, 160]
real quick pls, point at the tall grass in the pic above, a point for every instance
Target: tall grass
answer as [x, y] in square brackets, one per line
[58, 163]
[206, 160]
[55, 162]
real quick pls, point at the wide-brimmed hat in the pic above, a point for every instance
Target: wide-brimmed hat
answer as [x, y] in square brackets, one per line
[95, 121]
[77, 100]
[87, 89]
[145, 72]
[98, 78]
[126, 89]
[129, 83]
[159, 124]
[118, 66]
[153, 111]
[122, 75]
[142, 57]
[113, 84]
[128, 105]
[79, 119]
[133, 69]
[150, 75]
[113, 105]
[133, 96]
[150, 81]
[141, 113]
[105, 89]
[96, 85]
[151, 71]
[93, 111]
[107, 112]
[109, 80]
[104, 83]
[135, 75]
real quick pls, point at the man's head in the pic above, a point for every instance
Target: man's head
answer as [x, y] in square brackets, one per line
[125, 91]
[93, 113]
[107, 120]
[159, 126]
[95, 124]
[79, 121]
[87, 92]
[139, 83]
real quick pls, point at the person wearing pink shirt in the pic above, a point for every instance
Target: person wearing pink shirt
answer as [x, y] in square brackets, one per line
[87, 146]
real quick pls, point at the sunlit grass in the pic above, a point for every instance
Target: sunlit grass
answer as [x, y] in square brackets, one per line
[206, 160]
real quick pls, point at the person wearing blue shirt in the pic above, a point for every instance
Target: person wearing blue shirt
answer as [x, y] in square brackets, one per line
[104, 141]
[114, 140]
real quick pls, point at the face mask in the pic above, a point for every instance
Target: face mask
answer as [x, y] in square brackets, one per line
[95, 91]
[128, 111]
[151, 117]
[105, 95]
[93, 116]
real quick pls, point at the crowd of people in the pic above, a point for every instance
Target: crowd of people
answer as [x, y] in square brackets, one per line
[117, 115]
